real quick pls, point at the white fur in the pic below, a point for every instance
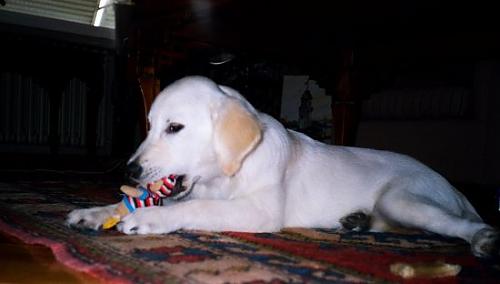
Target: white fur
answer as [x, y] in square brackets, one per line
[288, 180]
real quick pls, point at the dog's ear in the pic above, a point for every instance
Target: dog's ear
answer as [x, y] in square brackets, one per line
[237, 132]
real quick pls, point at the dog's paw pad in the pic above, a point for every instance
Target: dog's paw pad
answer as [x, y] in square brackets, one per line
[357, 221]
[486, 243]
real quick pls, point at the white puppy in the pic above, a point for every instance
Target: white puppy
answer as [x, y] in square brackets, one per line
[248, 173]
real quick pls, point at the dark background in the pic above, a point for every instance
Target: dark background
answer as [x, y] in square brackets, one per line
[408, 76]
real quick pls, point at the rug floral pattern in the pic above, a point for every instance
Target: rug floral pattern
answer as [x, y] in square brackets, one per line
[35, 213]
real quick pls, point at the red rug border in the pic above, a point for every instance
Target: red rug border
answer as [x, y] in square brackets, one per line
[62, 255]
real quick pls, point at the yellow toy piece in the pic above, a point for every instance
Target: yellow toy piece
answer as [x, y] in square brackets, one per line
[140, 197]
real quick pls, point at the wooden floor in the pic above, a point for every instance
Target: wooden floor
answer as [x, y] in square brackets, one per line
[21, 263]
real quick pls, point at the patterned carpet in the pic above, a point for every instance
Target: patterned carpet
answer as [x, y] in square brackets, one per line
[35, 213]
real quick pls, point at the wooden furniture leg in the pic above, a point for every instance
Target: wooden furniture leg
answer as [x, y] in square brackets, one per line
[149, 87]
[345, 105]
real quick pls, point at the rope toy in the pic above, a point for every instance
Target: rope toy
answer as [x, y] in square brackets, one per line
[138, 197]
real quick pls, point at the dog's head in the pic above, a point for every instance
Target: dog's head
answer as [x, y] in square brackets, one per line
[198, 129]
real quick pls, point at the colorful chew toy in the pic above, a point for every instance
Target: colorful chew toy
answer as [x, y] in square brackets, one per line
[137, 197]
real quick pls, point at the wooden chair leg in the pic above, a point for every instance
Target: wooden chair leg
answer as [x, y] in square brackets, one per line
[345, 106]
[149, 87]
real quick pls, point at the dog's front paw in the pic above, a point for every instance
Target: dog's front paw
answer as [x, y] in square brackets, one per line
[92, 218]
[149, 220]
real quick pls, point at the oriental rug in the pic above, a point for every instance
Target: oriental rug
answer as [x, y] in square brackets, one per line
[35, 213]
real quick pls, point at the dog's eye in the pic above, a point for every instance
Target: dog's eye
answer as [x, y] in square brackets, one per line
[174, 128]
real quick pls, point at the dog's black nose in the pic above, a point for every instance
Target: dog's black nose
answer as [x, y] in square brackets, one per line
[133, 171]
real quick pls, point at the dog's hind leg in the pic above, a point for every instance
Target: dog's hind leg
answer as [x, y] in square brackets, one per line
[398, 206]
